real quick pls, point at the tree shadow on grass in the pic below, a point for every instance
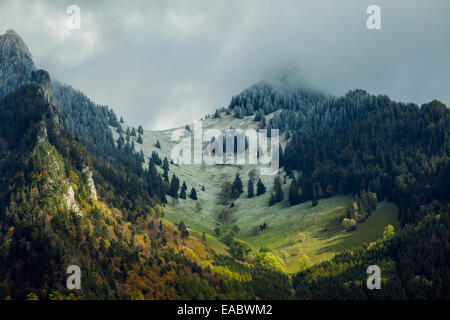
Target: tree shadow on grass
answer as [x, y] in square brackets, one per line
[337, 238]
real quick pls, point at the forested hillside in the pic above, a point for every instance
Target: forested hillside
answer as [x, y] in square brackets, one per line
[79, 187]
[53, 216]
[364, 144]
[87, 200]
[359, 142]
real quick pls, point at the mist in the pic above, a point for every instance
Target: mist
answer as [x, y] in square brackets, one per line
[165, 63]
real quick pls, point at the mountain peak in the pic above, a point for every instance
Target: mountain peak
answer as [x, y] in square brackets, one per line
[16, 62]
[11, 32]
[12, 44]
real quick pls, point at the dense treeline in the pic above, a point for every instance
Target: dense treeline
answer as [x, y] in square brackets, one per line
[265, 283]
[356, 142]
[267, 97]
[359, 141]
[376, 149]
[414, 264]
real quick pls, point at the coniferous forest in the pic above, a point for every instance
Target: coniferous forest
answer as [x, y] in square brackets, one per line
[77, 188]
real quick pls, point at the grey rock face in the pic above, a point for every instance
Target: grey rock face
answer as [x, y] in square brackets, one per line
[17, 68]
[16, 63]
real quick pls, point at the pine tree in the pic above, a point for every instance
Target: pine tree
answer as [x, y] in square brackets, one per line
[260, 188]
[152, 168]
[238, 113]
[278, 190]
[250, 189]
[166, 169]
[183, 191]
[158, 145]
[236, 187]
[174, 186]
[193, 194]
[133, 132]
[141, 129]
[257, 116]
[120, 142]
[156, 158]
[183, 194]
[139, 139]
[121, 120]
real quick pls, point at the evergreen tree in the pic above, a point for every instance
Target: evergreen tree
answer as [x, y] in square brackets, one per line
[121, 120]
[166, 169]
[158, 145]
[278, 190]
[183, 191]
[183, 194]
[250, 189]
[133, 132]
[193, 194]
[120, 142]
[238, 113]
[156, 158]
[141, 129]
[236, 187]
[260, 188]
[139, 139]
[174, 186]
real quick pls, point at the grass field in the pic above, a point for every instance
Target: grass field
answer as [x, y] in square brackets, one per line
[292, 233]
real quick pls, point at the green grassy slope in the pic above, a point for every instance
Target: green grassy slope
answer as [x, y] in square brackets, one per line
[293, 232]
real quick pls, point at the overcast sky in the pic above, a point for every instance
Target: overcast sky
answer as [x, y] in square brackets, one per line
[165, 63]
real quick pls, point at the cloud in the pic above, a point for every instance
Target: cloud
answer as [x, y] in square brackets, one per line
[165, 63]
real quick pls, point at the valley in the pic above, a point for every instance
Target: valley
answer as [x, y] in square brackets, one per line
[362, 181]
[301, 235]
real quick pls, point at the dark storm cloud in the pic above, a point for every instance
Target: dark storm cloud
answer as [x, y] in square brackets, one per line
[164, 63]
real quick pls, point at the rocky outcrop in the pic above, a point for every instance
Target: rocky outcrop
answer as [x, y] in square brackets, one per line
[52, 119]
[90, 182]
[16, 69]
[71, 203]
[16, 63]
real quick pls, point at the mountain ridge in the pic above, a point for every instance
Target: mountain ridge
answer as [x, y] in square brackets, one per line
[131, 241]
